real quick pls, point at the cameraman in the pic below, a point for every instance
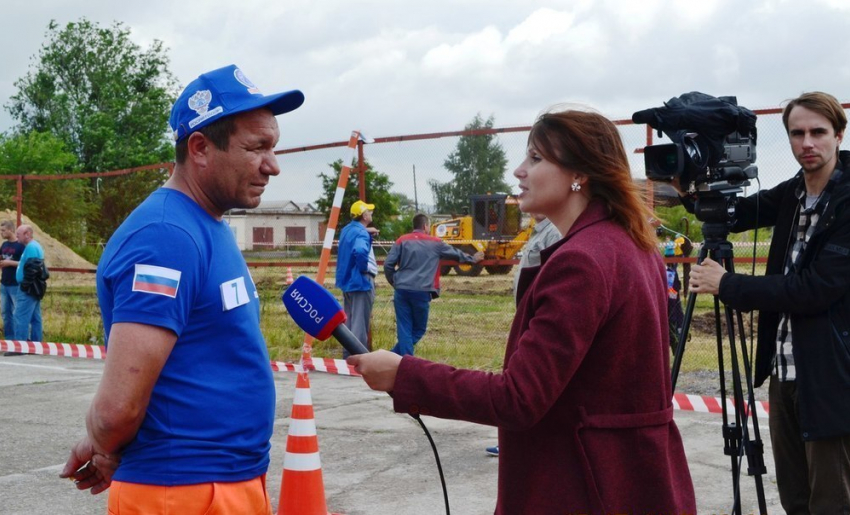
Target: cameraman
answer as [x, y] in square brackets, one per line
[804, 320]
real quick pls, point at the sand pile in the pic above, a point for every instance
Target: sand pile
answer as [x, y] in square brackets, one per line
[56, 254]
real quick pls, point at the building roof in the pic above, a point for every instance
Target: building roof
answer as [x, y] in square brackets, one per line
[272, 207]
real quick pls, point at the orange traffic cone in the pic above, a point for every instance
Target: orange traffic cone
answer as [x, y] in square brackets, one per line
[302, 489]
[289, 278]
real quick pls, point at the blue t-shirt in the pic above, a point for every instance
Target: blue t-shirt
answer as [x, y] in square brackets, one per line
[10, 250]
[210, 416]
[33, 250]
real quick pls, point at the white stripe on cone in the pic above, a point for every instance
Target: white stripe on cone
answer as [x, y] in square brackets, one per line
[299, 427]
[302, 397]
[302, 462]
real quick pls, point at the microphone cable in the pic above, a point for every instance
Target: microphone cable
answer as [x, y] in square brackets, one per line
[437, 458]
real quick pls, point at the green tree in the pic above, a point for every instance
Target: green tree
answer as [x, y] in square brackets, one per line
[478, 164]
[377, 192]
[398, 226]
[108, 100]
[57, 206]
[405, 203]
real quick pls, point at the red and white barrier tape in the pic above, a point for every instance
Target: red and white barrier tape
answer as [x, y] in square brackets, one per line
[71, 350]
[327, 365]
[78, 350]
[702, 404]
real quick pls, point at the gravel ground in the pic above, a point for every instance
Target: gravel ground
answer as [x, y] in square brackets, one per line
[707, 383]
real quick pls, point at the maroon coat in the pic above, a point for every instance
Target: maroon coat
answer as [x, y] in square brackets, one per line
[583, 403]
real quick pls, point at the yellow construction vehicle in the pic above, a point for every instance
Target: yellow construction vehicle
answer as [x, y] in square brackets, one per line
[493, 227]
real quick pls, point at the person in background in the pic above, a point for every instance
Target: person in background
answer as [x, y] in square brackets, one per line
[412, 268]
[356, 269]
[28, 322]
[543, 235]
[675, 313]
[584, 400]
[804, 307]
[10, 255]
[669, 247]
[185, 408]
[684, 247]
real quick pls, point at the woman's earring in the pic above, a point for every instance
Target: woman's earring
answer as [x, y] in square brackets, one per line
[576, 186]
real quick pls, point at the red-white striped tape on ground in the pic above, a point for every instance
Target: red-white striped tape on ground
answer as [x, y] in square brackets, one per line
[681, 401]
[78, 350]
[71, 350]
[327, 365]
[703, 404]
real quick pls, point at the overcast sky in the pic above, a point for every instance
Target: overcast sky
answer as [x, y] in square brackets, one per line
[391, 67]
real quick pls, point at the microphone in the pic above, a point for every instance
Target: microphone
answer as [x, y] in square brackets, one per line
[315, 310]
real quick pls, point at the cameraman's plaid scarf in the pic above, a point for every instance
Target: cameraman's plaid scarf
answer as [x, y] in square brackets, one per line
[807, 221]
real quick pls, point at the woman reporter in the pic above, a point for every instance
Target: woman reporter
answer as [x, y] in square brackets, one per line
[583, 403]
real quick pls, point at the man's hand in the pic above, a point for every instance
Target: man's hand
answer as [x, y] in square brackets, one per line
[705, 277]
[373, 231]
[378, 368]
[478, 256]
[89, 469]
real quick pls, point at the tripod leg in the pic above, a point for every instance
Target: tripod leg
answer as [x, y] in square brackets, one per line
[731, 431]
[745, 410]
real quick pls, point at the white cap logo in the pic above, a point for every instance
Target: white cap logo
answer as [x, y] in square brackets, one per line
[200, 101]
[245, 81]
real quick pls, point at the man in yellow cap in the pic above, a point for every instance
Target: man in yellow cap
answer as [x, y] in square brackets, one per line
[356, 269]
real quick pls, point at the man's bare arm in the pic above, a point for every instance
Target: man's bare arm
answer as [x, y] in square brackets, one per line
[137, 353]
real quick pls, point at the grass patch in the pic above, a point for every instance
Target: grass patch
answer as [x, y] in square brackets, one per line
[468, 324]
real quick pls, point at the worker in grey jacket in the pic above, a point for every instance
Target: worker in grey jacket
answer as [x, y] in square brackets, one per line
[413, 268]
[543, 235]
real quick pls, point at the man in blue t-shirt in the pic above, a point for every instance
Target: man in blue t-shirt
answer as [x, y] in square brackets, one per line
[187, 396]
[10, 252]
[28, 325]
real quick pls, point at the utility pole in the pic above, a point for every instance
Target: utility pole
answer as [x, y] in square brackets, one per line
[415, 195]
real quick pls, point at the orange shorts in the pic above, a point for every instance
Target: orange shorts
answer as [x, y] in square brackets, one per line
[245, 497]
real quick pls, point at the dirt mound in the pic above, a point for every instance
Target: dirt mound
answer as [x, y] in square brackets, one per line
[703, 323]
[56, 254]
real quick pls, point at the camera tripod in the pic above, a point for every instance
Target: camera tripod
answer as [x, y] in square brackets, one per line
[736, 436]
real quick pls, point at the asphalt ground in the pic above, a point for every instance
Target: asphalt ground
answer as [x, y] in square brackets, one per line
[374, 461]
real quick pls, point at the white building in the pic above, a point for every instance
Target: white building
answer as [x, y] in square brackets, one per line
[276, 224]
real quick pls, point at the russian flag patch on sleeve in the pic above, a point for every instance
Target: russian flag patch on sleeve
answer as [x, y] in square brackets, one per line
[157, 280]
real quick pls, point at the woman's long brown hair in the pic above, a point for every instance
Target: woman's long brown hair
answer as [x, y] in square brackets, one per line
[590, 144]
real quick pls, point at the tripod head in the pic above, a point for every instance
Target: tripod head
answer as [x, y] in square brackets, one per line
[715, 234]
[715, 207]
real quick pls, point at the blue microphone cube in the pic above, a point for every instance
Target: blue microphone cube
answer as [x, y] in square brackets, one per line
[313, 308]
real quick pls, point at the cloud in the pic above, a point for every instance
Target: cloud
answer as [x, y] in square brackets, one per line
[476, 53]
[540, 26]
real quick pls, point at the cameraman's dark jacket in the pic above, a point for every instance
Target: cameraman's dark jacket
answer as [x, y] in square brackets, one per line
[817, 298]
[35, 278]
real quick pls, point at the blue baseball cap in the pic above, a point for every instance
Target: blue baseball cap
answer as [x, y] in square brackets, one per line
[224, 92]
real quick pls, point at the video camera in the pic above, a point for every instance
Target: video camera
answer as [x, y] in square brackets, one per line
[714, 142]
